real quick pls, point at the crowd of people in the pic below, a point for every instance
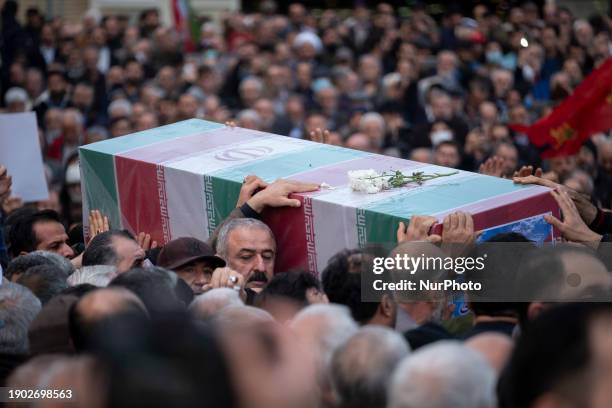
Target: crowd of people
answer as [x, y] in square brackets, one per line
[120, 320]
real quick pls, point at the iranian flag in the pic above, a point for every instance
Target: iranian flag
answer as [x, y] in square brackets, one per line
[186, 23]
[183, 179]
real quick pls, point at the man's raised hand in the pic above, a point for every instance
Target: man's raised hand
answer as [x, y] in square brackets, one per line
[573, 227]
[583, 204]
[98, 223]
[526, 171]
[493, 166]
[250, 186]
[145, 242]
[277, 194]
[6, 181]
[319, 135]
[458, 234]
[417, 230]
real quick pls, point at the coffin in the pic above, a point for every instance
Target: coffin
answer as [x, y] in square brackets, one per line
[184, 179]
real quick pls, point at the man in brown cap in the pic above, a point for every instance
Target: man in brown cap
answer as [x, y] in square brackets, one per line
[195, 262]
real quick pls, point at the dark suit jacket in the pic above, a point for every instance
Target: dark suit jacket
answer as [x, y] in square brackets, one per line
[425, 334]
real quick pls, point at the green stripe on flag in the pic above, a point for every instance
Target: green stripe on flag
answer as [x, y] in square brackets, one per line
[432, 199]
[194, 24]
[98, 171]
[378, 220]
[376, 227]
[220, 197]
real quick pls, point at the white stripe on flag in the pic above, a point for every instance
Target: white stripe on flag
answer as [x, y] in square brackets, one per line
[186, 207]
[238, 154]
[334, 227]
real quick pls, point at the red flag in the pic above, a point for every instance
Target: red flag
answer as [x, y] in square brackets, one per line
[586, 111]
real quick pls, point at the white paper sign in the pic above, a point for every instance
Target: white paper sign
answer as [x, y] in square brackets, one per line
[20, 153]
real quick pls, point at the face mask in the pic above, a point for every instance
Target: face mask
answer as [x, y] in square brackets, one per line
[211, 54]
[73, 174]
[494, 57]
[528, 73]
[440, 136]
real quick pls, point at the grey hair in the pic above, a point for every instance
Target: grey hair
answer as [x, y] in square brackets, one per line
[76, 114]
[97, 275]
[258, 82]
[373, 58]
[578, 24]
[249, 114]
[502, 71]
[241, 317]
[391, 79]
[231, 225]
[210, 303]
[156, 90]
[334, 325]
[98, 130]
[372, 116]
[441, 375]
[120, 104]
[15, 94]
[361, 367]
[18, 307]
[61, 262]
[582, 176]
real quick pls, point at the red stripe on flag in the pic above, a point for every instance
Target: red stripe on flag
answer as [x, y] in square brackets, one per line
[176, 14]
[508, 213]
[138, 185]
[289, 229]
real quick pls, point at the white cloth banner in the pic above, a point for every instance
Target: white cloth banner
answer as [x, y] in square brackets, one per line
[20, 153]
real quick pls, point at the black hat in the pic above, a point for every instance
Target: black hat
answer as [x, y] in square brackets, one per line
[181, 251]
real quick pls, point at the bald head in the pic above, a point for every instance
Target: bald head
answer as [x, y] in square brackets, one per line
[589, 271]
[83, 374]
[234, 317]
[104, 303]
[97, 307]
[421, 154]
[324, 327]
[210, 303]
[359, 141]
[362, 367]
[494, 347]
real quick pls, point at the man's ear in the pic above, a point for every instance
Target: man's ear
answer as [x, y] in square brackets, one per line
[310, 295]
[387, 305]
[23, 253]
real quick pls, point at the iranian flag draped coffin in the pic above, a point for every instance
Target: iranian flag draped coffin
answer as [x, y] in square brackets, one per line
[184, 179]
